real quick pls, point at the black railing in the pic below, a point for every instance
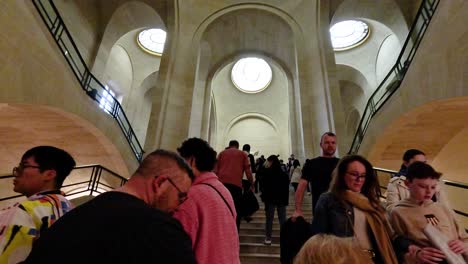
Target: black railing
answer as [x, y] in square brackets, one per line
[88, 82]
[83, 180]
[460, 188]
[393, 79]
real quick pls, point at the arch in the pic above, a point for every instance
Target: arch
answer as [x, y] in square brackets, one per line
[353, 75]
[211, 58]
[244, 16]
[144, 99]
[287, 18]
[386, 56]
[118, 73]
[388, 30]
[273, 101]
[385, 12]
[375, 57]
[269, 141]
[251, 115]
[126, 18]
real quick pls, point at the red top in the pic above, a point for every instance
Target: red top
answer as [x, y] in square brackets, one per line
[231, 166]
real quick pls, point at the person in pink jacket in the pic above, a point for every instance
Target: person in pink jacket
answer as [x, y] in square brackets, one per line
[208, 215]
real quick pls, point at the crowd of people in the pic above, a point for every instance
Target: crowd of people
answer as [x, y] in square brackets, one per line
[186, 207]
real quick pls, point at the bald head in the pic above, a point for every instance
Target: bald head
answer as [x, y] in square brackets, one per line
[162, 180]
[159, 161]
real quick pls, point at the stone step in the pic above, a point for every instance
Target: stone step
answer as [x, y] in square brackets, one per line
[291, 207]
[261, 215]
[259, 224]
[252, 258]
[257, 239]
[257, 231]
[288, 211]
[259, 248]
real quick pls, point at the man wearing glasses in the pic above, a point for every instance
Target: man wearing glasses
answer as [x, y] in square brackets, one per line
[129, 225]
[39, 176]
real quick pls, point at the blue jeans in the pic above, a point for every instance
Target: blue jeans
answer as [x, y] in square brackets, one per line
[270, 214]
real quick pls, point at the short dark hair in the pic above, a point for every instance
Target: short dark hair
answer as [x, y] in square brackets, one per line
[52, 158]
[234, 143]
[145, 167]
[330, 134]
[296, 163]
[246, 147]
[421, 170]
[410, 153]
[371, 187]
[275, 163]
[205, 156]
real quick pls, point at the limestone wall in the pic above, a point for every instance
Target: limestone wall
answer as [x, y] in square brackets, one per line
[33, 71]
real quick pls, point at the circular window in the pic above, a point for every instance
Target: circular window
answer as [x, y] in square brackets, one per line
[348, 34]
[152, 40]
[251, 75]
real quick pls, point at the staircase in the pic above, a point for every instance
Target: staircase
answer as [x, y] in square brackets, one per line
[252, 235]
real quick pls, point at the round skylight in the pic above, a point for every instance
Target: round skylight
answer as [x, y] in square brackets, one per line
[348, 34]
[152, 40]
[251, 75]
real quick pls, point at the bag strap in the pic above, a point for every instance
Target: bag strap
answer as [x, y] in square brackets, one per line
[230, 210]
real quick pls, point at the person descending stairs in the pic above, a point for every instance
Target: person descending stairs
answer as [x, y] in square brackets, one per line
[253, 249]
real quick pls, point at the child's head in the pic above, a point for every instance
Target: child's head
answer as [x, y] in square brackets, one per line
[422, 181]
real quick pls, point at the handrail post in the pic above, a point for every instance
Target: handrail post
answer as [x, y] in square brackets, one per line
[96, 171]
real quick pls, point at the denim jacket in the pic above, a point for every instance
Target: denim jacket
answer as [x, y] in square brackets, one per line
[333, 217]
[337, 218]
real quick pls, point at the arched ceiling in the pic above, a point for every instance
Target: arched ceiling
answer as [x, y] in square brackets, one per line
[24, 126]
[248, 30]
[386, 12]
[428, 127]
[127, 17]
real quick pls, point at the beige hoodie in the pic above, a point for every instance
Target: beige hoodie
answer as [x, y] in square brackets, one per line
[409, 218]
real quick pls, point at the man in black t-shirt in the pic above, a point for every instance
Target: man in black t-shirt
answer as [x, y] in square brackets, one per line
[128, 225]
[318, 172]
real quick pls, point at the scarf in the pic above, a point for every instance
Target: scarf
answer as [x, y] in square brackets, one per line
[378, 224]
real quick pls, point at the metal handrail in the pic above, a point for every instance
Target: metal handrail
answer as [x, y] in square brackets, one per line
[393, 79]
[93, 182]
[446, 182]
[90, 84]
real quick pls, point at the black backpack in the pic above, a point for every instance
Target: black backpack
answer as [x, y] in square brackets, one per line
[293, 235]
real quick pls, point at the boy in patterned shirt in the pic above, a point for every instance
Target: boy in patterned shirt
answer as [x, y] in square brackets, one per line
[39, 176]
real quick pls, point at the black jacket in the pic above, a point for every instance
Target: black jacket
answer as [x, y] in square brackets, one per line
[275, 186]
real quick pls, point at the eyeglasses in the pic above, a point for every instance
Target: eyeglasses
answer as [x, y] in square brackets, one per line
[356, 176]
[20, 168]
[181, 195]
